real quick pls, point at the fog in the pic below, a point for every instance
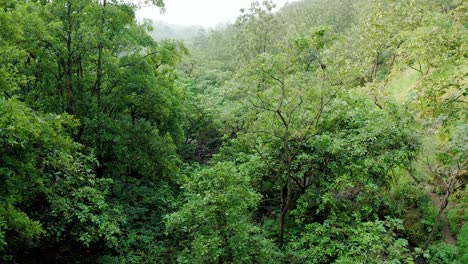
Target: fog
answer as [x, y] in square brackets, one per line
[206, 13]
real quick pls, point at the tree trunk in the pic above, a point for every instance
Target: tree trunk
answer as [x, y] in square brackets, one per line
[99, 61]
[285, 203]
[69, 63]
[375, 67]
[439, 217]
[98, 90]
[287, 159]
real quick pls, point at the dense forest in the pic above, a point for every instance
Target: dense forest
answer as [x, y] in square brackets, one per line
[324, 131]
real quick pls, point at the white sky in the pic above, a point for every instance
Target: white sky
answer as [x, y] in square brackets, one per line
[207, 13]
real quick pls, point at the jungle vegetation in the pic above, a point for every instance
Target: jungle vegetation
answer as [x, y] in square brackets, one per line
[324, 131]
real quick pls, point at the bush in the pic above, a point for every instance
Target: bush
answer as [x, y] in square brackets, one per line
[463, 244]
[442, 253]
[407, 200]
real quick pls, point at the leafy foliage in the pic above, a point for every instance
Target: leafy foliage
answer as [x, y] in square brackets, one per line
[49, 192]
[216, 218]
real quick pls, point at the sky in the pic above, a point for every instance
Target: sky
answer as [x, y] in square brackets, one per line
[206, 13]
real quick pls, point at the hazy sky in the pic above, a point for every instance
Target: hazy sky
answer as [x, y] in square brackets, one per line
[207, 13]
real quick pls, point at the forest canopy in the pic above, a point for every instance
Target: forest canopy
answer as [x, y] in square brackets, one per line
[324, 131]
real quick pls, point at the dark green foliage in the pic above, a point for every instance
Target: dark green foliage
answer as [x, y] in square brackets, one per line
[49, 194]
[443, 253]
[117, 86]
[409, 202]
[343, 242]
[215, 219]
[463, 243]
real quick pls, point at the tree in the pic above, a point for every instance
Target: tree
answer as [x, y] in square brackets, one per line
[106, 71]
[50, 195]
[449, 175]
[359, 242]
[215, 219]
[255, 30]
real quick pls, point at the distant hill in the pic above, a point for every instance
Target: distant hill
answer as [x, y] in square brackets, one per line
[162, 30]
